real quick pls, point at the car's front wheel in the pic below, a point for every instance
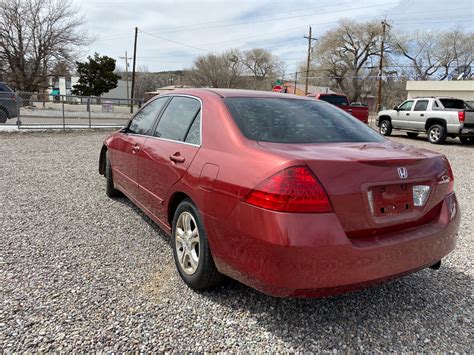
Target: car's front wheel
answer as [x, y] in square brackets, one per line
[191, 248]
[385, 128]
[436, 134]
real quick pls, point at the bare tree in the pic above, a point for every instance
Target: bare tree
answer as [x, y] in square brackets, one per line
[348, 55]
[252, 69]
[217, 70]
[262, 65]
[433, 55]
[36, 35]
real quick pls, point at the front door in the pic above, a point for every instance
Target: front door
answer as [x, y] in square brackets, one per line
[403, 115]
[169, 153]
[129, 143]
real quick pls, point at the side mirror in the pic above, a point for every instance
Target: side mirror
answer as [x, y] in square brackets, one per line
[396, 108]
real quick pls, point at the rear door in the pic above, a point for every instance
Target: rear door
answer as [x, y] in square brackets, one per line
[402, 116]
[418, 116]
[168, 154]
[126, 146]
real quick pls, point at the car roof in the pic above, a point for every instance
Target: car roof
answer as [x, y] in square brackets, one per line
[237, 93]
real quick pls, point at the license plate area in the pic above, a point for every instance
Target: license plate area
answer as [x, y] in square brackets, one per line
[390, 200]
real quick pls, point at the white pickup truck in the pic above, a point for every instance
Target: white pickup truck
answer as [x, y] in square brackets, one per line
[439, 117]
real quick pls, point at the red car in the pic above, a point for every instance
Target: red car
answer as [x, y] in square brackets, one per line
[286, 194]
[358, 111]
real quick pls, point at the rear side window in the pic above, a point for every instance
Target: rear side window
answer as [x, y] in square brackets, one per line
[296, 121]
[144, 119]
[335, 99]
[453, 103]
[421, 105]
[178, 118]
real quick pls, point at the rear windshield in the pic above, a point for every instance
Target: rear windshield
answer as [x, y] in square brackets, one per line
[335, 99]
[453, 103]
[296, 121]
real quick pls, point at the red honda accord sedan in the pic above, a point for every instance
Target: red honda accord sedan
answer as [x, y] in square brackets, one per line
[286, 194]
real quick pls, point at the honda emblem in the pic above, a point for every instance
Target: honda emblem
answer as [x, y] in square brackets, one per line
[402, 173]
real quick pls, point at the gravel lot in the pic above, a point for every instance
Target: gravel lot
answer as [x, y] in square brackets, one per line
[82, 272]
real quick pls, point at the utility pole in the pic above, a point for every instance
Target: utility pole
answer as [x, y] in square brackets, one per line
[126, 73]
[296, 81]
[379, 89]
[133, 69]
[308, 63]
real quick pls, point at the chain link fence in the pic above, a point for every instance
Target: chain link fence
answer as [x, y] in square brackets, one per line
[27, 110]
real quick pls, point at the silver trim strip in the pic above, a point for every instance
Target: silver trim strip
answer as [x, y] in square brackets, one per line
[172, 140]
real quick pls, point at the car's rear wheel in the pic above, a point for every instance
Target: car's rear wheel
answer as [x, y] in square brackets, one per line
[385, 128]
[3, 115]
[110, 190]
[191, 248]
[412, 134]
[467, 140]
[436, 134]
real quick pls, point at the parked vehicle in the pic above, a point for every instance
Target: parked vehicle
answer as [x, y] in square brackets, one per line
[286, 194]
[439, 117]
[8, 103]
[356, 109]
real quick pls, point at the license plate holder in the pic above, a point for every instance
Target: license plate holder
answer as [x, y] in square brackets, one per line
[390, 200]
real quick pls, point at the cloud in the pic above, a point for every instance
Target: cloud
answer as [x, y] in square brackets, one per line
[220, 25]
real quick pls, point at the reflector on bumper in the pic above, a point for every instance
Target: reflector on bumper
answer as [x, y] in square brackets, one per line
[420, 195]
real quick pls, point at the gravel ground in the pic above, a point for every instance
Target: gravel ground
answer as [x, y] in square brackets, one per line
[82, 272]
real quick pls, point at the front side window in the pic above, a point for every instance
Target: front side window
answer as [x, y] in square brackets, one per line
[296, 121]
[421, 105]
[406, 106]
[144, 119]
[177, 118]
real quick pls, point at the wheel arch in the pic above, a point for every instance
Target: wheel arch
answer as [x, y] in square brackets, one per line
[434, 120]
[385, 118]
[173, 204]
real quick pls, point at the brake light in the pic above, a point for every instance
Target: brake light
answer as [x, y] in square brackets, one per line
[461, 116]
[295, 189]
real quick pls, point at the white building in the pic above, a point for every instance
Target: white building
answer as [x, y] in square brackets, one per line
[460, 89]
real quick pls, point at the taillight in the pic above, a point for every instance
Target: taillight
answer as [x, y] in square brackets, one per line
[295, 189]
[461, 116]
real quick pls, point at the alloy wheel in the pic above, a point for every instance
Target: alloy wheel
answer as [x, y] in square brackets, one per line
[384, 127]
[187, 243]
[435, 134]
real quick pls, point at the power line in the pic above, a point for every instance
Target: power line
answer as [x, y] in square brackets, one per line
[176, 42]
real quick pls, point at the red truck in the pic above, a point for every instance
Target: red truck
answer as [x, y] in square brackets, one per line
[358, 111]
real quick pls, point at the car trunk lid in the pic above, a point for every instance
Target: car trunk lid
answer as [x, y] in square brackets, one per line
[370, 184]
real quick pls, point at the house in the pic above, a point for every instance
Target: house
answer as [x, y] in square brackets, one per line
[460, 89]
[289, 88]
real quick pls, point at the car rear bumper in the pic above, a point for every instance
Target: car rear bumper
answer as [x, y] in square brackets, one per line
[308, 255]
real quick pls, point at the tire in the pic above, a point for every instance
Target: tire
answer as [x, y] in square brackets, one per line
[191, 251]
[467, 140]
[436, 134]
[110, 190]
[3, 115]
[412, 134]
[385, 128]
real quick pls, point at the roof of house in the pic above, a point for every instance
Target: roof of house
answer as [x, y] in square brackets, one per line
[311, 88]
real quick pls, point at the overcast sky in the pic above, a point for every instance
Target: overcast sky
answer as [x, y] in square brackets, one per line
[215, 26]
